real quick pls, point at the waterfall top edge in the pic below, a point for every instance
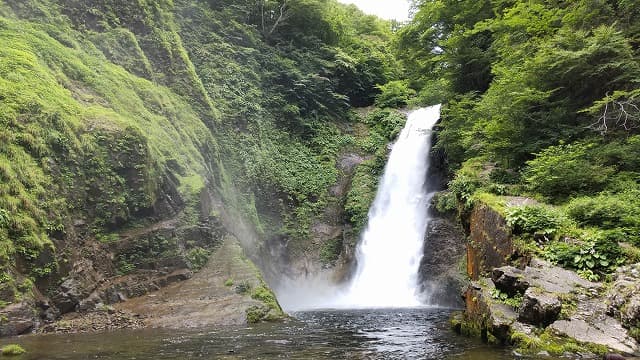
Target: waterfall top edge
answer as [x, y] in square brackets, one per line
[423, 119]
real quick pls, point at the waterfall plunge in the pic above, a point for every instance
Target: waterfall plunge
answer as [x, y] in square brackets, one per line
[390, 249]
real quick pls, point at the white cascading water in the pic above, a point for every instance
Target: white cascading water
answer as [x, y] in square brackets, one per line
[391, 247]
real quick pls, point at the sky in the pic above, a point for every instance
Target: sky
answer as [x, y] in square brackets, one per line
[386, 9]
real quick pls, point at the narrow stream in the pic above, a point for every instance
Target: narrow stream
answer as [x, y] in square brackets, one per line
[418, 333]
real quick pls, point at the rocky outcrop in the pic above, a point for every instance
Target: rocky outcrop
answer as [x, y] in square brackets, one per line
[440, 274]
[489, 241]
[18, 318]
[228, 290]
[623, 299]
[541, 307]
[545, 297]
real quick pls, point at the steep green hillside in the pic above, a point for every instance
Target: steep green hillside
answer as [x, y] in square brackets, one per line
[120, 119]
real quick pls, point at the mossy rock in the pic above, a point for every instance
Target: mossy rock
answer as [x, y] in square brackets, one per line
[12, 350]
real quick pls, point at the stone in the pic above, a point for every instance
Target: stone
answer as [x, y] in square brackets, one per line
[68, 295]
[623, 298]
[509, 280]
[607, 332]
[555, 279]
[18, 319]
[539, 307]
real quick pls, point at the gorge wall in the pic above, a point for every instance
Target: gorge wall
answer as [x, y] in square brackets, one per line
[137, 137]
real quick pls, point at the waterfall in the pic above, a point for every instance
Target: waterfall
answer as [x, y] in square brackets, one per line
[388, 255]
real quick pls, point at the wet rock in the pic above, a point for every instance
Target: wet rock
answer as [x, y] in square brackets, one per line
[539, 307]
[17, 319]
[509, 280]
[439, 272]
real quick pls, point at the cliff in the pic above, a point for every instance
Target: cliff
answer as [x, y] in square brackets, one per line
[139, 137]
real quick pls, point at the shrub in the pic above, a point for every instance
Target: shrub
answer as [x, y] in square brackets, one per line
[564, 170]
[198, 257]
[592, 259]
[618, 212]
[394, 94]
[445, 201]
[463, 187]
[534, 220]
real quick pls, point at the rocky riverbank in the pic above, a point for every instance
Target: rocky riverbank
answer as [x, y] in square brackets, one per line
[540, 308]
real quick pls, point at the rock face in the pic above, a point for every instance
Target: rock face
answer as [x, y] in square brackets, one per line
[490, 241]
[441, 278]
[18, 318]
[227, 291]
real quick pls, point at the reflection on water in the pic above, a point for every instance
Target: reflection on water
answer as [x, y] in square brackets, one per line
[328, 334]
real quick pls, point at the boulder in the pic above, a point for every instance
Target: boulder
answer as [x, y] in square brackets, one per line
[544, 275]
[539, 307]
[17, 319]
[623, 298]
[509, 280]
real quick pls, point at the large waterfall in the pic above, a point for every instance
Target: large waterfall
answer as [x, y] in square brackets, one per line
[390, 249]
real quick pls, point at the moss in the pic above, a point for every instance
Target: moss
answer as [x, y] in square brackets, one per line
[493, 201]
[269, 311]
[553, 344]
[12, 350]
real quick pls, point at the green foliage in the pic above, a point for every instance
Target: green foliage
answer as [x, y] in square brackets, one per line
[592, 258]
[12, 350]
[228, 282]
[463, 187]
[564, 170]
[362, 193]
[330, 251]
[535, 220]
[445, 202]
[198, 257]
[513, 301]
[394, 94]
[609, 211]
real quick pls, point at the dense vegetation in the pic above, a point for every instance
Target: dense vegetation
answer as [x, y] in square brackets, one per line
[118, 114]
[542, 100]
